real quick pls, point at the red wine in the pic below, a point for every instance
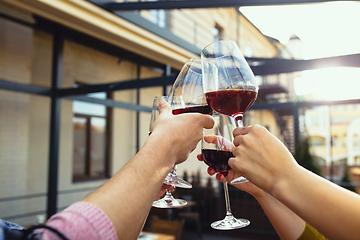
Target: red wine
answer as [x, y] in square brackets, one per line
[217, 159]
[231, 102]
[204, 109]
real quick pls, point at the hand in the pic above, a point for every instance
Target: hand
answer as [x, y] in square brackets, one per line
[246, 186]
[180, 133]
[224, 144]
[210, 170]
[261, 157]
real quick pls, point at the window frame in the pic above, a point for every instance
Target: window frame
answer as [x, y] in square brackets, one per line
[108, 129]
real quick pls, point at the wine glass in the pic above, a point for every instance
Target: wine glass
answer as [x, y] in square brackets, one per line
[168, 201]
[188, 85]
[229, 84]
[216, 149]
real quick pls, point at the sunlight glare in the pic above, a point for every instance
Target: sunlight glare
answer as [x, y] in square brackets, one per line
[337, 83]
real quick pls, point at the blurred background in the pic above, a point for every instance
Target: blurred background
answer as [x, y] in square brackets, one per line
[77, 80]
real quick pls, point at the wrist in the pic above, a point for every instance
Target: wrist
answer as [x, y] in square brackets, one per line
[262, 196]
[286, 182]
[160, 150]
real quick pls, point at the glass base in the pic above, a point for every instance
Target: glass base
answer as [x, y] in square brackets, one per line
[230, 223]
[239, 180]
[169, 202]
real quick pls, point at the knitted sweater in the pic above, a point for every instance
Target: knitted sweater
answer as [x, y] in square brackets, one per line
[81, 220]
[311, 233]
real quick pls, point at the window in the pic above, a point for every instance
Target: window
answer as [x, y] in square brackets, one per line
[158, 17]
[91, 139]
[356, 140]
[317, 141]
[334, 141]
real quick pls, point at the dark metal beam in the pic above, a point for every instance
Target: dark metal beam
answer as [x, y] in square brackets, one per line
[297, 105]
[17, 20]
[168, 74]
[137, 112]
[24, 88]
[116, 86]
[55, 110]
[267, 66]
[296, 126]
[111, 103]
[113, 6]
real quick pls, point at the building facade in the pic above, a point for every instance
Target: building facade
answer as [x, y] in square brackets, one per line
[333, 133]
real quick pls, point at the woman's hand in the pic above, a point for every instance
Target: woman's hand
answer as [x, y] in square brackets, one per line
[246, 186]
[224, 144]
[261, 157]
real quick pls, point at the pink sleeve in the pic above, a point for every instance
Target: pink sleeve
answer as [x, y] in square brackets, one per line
[81, 220]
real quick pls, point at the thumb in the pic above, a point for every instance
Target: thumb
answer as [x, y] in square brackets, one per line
[208, 121]
[164, 107]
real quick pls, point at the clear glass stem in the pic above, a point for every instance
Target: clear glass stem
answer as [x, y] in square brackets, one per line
[239, 120]
[229, 222]
[240, 123]
[168, 194]
[173, 171]
[227, 199]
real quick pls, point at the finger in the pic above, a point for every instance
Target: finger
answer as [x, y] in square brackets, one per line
[234, 163]
[238, 140]
[220, 141]
[199, 157]
[164, 107]
[241, 131]
[170, 188]
[161, 191]
[211, 171]
[220, 177]
[207, 121]
[211, 139]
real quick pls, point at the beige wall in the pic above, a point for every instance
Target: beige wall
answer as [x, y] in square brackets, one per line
[24, 118]
[15, 61]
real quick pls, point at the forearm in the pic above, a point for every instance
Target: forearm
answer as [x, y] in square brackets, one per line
[287, 224]
[320, 203]
[126, 198]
